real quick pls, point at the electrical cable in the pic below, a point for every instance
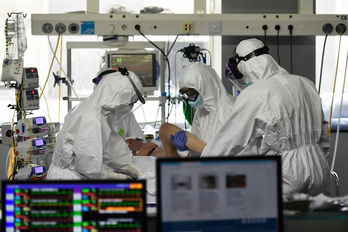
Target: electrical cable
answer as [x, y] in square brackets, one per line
[334, 87]
[15, 166]
[339, 117]
[177, 36]
[12, 126]
[31, 131]
[277, 27]
[12, 162]
[8, 160]
[137, 27]
[203, 49]
[175, 79]
[60, 74]
[322, 63]
[290, 27]
[49, 117]
[264, 28]
[49, 71]
[31, 135]
[13, 174]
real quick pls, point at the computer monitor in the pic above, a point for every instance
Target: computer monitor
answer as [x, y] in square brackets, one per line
[112, 205]
[142, 63]
[219, 194]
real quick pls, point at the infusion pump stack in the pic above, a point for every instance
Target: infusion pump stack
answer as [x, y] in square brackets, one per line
[31, 139]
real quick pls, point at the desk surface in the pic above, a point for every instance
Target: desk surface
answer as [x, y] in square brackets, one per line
[297, 222]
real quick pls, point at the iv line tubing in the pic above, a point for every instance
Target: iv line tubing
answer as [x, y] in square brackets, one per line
[339, 117]
[334, 88]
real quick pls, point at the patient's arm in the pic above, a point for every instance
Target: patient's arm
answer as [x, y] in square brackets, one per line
[146, 149]
[192, 143]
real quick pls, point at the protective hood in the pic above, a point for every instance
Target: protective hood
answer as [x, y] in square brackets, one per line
[205, 81]
[114, 92]
[259, 67]
[217, 103]
[100, 74]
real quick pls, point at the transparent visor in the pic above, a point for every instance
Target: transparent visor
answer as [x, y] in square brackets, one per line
[136, 106]
[140, 97]
[124, 112]
[234, 75]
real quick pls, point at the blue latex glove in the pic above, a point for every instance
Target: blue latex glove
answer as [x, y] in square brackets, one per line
[179, 140]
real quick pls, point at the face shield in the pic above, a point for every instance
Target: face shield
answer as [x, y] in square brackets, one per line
[232, 72]
[137, 102]
[120, 114]
[125, 72]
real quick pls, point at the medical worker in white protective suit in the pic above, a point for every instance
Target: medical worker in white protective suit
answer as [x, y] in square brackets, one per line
[276, 113]
[204, 91]
[128, 128]
[87, 147]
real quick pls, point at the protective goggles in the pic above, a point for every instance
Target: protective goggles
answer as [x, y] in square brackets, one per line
[125, 72]
[189, 94]
[232, 72]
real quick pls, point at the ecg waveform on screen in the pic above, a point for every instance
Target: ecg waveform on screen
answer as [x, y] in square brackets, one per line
[65, 209]
[144, 65]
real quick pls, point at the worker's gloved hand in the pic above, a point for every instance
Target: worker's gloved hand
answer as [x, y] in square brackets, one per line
[134, 171]
[179, 140]
[114, 175]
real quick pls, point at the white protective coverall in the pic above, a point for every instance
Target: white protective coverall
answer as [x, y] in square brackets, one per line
[86, 146]
[217, 103]
[279, 114]
[129, 128]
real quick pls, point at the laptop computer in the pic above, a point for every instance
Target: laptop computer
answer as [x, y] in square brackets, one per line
[84, 205]
[220, 194]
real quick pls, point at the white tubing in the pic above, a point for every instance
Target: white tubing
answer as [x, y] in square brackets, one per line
[339, 117]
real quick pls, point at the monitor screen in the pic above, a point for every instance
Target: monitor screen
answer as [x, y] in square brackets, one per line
[39, 142]
[39, 121]
[112, 205]
[219, 194]
[39, 169]
[142, 64]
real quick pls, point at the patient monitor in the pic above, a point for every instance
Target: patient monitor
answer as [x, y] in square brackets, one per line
[142, 62]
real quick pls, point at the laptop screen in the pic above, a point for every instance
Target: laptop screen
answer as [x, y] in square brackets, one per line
[111, 205]
[219, 194]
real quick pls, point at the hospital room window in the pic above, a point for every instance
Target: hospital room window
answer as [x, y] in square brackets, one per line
[39, 54]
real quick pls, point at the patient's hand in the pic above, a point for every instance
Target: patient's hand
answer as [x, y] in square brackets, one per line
[146, 149]
[134, 145]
